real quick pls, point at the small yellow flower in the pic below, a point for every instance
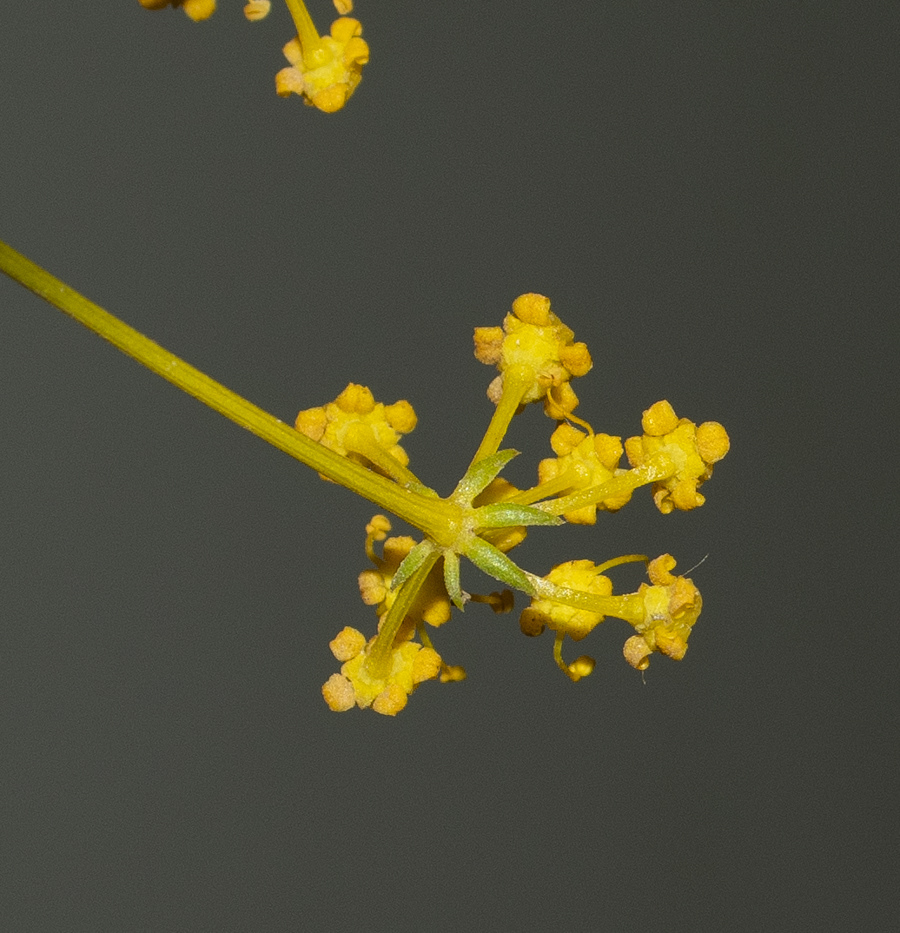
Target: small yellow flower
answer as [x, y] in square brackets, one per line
[324, 71]
[670, 608]
[196, 9]
[535, 350]
[583, 461]
[356, 426]
[410, 664]
[578, 575]
[693, 449]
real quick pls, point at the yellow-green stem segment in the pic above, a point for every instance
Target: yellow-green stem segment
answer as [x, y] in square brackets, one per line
[306, 30]
[430, 515]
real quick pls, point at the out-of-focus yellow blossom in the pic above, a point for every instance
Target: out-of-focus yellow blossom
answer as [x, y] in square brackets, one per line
[583, 460]
[324, 71]
[693, 449]
[431, 605]
[663, 615]
[196, 9]
[410, 664]
[256, 10]
[356, 426]
[535, 354]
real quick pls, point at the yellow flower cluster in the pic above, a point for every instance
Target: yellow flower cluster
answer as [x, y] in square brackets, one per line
[670, 609]
[355, 425]
[662, 613]
[327, 72]
[534, 351]
[583, 461]
[693, 449]
[415, 582]
[362, 684]
[355, 440]
[575, 622]
[431, 605]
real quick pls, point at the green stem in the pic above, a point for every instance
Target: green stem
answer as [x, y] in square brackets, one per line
[516, 382]
[629, 607]
[657, 468]
[306, 30]
[380, 652]
[430, 515]
[563, 481]
[361, 441]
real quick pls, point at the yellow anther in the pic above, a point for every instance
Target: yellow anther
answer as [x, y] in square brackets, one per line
[452, 673]
[347, 643]
[712, 441]
[659, 419]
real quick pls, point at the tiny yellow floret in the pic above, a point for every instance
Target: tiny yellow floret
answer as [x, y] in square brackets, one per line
[355, 425]
[583, 461]
[693, 450]
[338, 693]
[668, 610]
[328, 72]
[536, 351]
[581, 667]
[410, 664]
[347, 643]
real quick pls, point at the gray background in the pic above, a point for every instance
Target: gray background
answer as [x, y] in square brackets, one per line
[706, 192]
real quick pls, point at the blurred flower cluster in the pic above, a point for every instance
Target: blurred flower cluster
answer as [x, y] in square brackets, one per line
[324, 70]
